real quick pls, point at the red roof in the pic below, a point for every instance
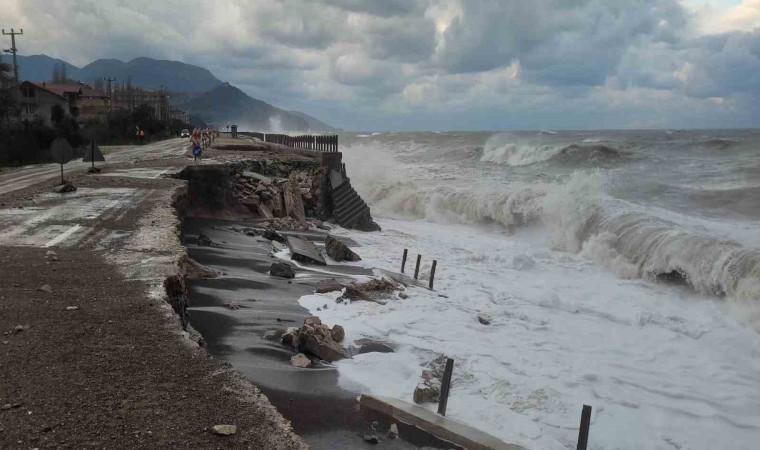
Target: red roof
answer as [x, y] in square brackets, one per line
[62, 89]
[44, 88]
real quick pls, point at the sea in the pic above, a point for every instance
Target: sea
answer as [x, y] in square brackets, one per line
[619, 269]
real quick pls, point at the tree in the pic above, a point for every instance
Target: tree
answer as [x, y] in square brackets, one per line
[57, 114]
[64, 75]
[7, 99]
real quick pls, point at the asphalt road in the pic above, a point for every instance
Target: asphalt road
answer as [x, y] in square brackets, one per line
[22, 177]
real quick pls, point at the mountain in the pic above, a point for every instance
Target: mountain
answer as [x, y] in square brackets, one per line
[40, 67]
[191, 88]
[314, 123]
[144, 72]
[226, 104]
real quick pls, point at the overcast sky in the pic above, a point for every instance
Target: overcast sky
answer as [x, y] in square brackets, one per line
[438, 64]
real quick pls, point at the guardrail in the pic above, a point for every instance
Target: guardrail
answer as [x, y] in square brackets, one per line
[318, 142]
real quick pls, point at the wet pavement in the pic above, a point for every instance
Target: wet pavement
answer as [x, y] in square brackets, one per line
[325, 415]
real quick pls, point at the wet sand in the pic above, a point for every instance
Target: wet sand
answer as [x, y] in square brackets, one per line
[325, 415]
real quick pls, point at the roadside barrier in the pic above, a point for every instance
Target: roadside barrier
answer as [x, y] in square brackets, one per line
[318, 142]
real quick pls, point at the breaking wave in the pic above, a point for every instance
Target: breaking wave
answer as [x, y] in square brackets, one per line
[505, 149]
[587, 222]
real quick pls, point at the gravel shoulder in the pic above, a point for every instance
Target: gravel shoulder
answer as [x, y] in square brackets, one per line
[100, 361]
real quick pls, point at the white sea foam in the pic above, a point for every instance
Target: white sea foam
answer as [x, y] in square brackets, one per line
[659, 365]
[577, 317]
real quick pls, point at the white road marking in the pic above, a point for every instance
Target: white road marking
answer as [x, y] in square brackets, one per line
[62, 236]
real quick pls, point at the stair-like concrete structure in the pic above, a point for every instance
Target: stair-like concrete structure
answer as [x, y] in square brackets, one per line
[348, 207]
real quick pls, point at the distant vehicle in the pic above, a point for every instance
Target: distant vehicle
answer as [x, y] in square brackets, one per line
[184, 133]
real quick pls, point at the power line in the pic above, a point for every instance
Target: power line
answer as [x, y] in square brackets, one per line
[13, 49]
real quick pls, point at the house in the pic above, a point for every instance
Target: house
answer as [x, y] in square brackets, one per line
[85, 102]
[36, 103]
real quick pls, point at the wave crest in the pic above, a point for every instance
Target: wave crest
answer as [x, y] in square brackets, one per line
[512, 151]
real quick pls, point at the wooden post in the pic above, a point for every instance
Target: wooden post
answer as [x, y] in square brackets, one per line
[432, 274]
[403, 260]
[417, 267]
[585, 424]
[445, 385]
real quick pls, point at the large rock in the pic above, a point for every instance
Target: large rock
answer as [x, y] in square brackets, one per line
[65, 187]
[300, 360]
[339, 251]
[330, 285]
[428, 391]
[338, 333]
[283, 270]
[317, 339]
[195, 270]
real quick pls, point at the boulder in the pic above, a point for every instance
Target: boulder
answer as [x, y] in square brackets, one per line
[339, 251]
[290, 337]
[272, 235]
[204, 241]
[330, 285]
[338, 333]
[65, 187]
[224, 430]
[195, 270]
[312, 321]
[484, 318]
[372, 346]
[318, 341]
[281, 269]
[393, 431]
[428, 391]
[45, 288]
[300, 360]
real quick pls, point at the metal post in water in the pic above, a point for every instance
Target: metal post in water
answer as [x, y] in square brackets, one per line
[432, 274]
[585, 424]
[403, 260]
[417, 267]
[445, 385]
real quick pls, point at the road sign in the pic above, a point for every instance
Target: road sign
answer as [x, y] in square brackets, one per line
[93, 154]
[61, 151]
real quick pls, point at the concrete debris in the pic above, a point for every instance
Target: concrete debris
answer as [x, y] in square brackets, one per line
[393, 431]
[304, 251]
[330, 285]
[293, 201]
[283, 270]
[45, 288]
[195, 270]
[290, 337]
[484, 318]
[72, 308]
[366, 345]
[225, 430]
[339, 251]
[403, 295]
[65, 187]
[272, 235]
[372, 290]
[371, 439]
[204, 241]
[300, 360]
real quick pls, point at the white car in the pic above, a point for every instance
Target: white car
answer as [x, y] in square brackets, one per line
[184, 133]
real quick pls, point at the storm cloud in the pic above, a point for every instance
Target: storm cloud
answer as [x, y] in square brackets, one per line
[440, 64]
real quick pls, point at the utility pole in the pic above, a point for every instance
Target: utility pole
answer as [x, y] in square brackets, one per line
[13, 49]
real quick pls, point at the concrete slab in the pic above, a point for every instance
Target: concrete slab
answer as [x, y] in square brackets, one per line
[403, 279]
[440, 427]
[303, 250]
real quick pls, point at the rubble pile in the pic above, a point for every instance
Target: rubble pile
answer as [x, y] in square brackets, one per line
[284, 201]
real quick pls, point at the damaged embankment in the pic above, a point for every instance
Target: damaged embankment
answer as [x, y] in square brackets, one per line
[245, 313]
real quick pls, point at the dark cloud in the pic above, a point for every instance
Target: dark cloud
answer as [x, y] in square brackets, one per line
[391, 61]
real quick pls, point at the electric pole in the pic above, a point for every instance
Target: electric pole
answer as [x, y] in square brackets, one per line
[13, 49]
[110, 92]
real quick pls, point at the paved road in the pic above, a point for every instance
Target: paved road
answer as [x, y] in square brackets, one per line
[14, 179]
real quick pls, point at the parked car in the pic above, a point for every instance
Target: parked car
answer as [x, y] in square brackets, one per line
[184, 133]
